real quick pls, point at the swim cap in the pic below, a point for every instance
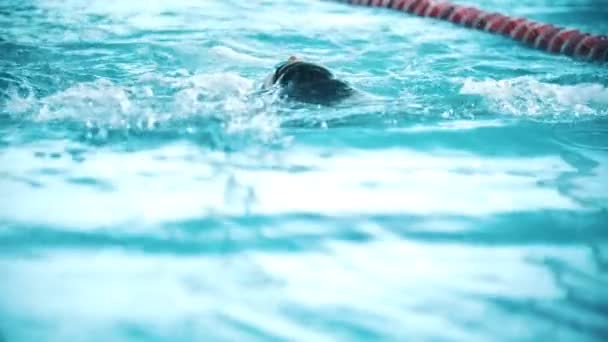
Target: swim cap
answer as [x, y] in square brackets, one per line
[308, 82]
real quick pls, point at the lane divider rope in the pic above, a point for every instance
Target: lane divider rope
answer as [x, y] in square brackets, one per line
[538, 35]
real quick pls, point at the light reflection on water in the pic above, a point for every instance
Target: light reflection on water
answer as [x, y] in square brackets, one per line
[147, 195]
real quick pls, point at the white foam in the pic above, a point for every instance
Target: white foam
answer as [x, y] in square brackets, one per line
[106, 102]
[222, 83]
[529, 96]
[87, 101]
[237, 57]
[103, 104]
[17, 104]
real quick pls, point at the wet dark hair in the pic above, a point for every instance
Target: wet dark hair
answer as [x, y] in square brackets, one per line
[310, 83]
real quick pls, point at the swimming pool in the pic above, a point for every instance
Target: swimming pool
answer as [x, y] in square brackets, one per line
[147, 197]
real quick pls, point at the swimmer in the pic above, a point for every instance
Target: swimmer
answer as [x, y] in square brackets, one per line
[307, 82]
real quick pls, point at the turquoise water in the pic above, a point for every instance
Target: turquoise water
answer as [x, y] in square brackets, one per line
[147, 196]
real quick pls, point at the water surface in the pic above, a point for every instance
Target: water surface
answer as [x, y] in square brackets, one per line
[146, 195]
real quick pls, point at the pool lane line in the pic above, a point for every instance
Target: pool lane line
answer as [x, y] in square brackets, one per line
[542, 36]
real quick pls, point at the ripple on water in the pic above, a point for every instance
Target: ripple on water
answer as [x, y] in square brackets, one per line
[147, 192]
[585, 136]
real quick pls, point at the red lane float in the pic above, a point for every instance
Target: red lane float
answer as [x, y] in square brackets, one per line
[541, 36]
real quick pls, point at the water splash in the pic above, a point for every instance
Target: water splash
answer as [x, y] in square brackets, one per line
[528, 96]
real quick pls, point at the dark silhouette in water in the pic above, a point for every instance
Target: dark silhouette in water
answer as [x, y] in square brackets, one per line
[307, 82]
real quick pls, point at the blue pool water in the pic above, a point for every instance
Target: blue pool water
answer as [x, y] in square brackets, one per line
[147, 196]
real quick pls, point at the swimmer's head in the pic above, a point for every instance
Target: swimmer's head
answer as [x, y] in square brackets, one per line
[308, 82]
